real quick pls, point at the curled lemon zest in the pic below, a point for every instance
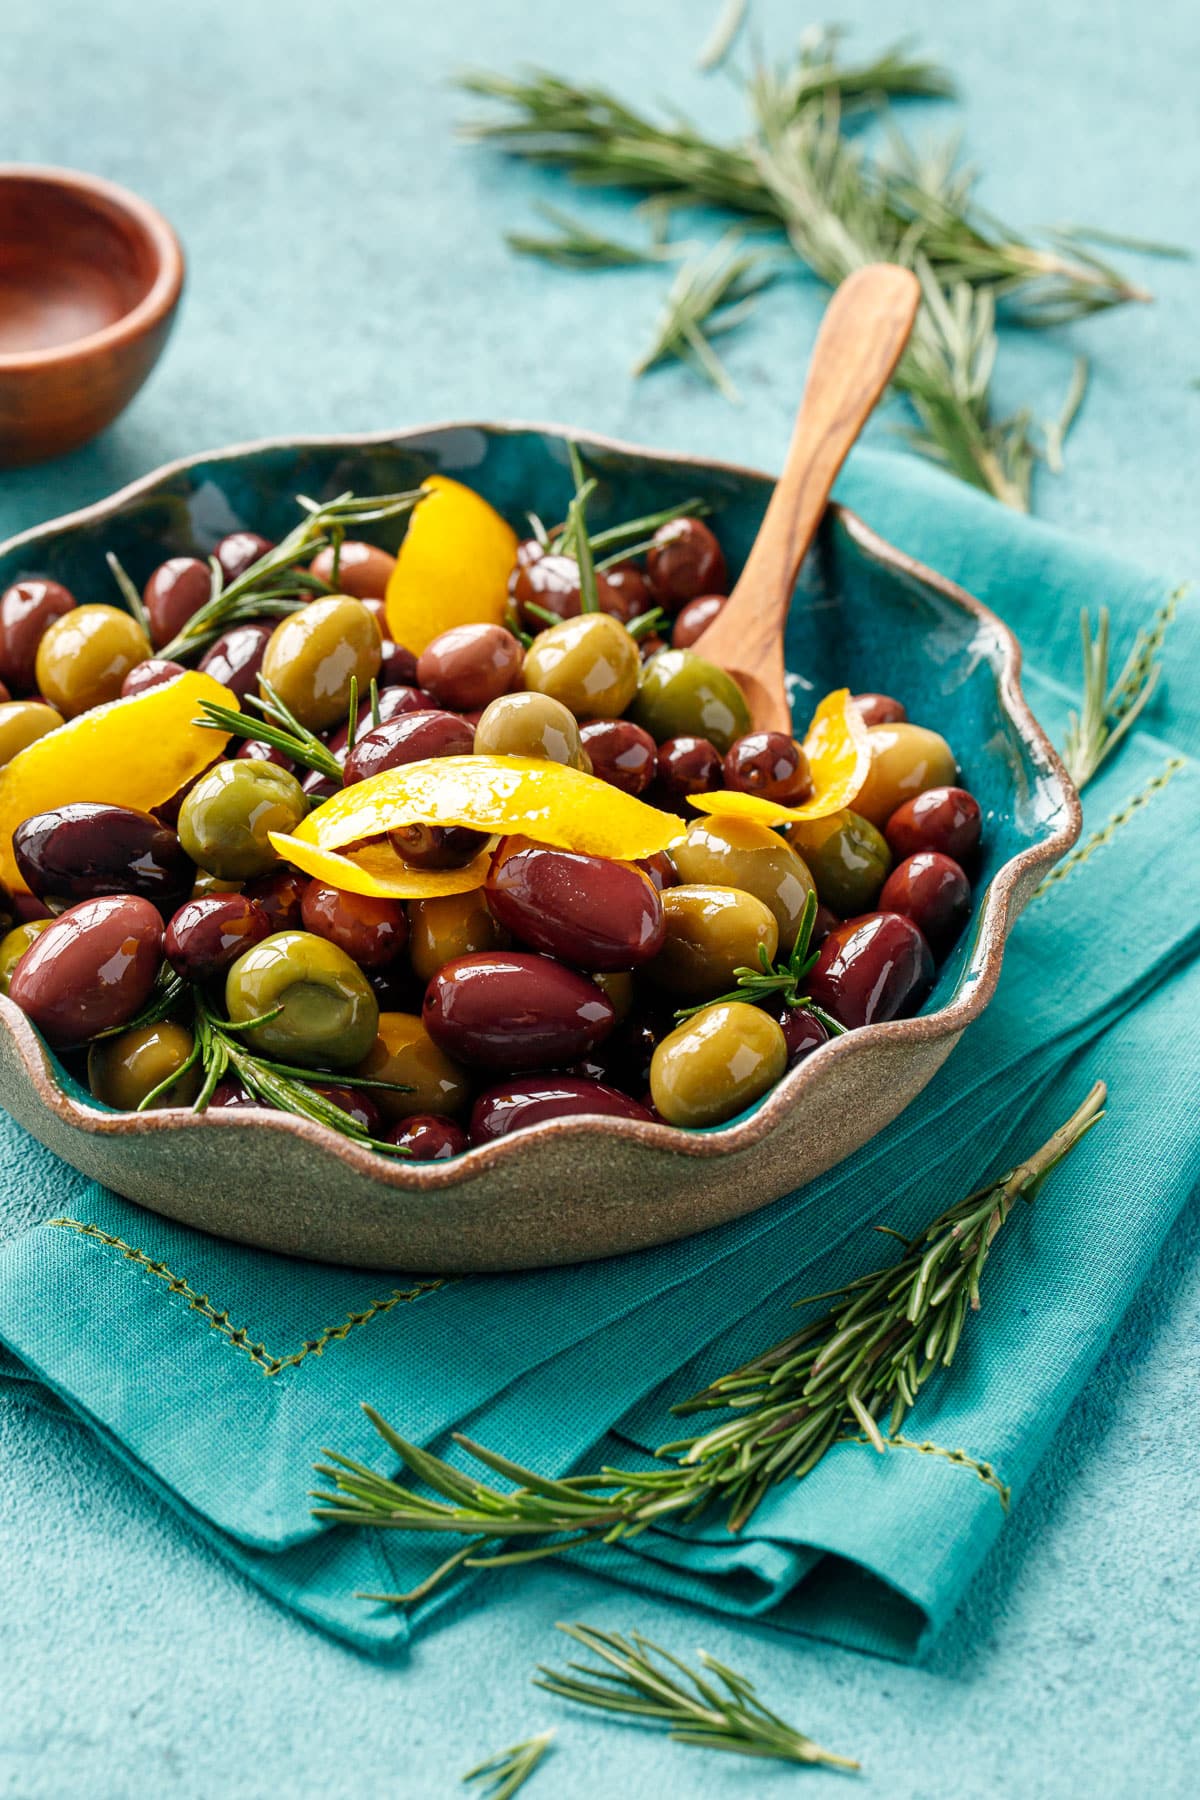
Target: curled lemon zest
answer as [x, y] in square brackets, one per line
[375, 869]
[839, 759]
[452, 567]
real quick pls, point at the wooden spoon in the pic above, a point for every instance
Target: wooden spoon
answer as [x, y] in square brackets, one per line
[862, 335]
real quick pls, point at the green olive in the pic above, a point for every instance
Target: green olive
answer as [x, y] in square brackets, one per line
[711, 933]
[447, 927]
[716, 1064]
[122, 1070]
[529, 725]
[14, 944]
[314, 653]
[682, 695]
[404, 1052]
[226, 817]
[740, 853]
[86, 654]
[22, 722]
[848, 857]
[329, 1013]
[207, 885]
[618, 985]
[589, 663]
[905, 760]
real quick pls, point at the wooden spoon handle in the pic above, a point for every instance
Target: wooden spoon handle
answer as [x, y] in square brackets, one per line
[862, 335]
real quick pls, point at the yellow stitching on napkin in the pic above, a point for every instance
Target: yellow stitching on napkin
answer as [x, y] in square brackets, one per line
[220, 1322]
[959, 1458]
[1108, 831]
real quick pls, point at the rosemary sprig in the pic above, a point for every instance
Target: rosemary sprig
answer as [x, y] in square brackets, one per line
[577, 246]
[629, 538]
[168, 995]
[272, 722]
[510, 1769]
[723, 36]
[711, 294]
[640, 1680]
[1108, 713]
[129, 591]
[575, 540]
[778, 981]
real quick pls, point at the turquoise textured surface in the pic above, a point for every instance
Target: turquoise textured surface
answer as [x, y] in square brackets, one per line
[96, 1577]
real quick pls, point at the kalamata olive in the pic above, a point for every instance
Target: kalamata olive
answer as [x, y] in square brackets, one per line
[694, 618]
[26, 610]
[623, 1060]
[358, 1102]
[428, 1080]
[741, 853]
[362, 569]
[684, 695]
[628, 592]
[847, 858]
[177, 589]
[316, 653]
[946, 819]
[316, 787]
[447, 927]
[254, 750]
[685, 561]
[585, 910]
[551, 583]
[22, 722]
[152, 674]
[516, 1105]
[716, 1064]
[231, 1096]
[590, 664]
[872, 969]
[470, 665]
[207, 935]
[397, 666]
[91, 970]
[879, 709]
[511, 1011]
[905, 760]
[650, 644]
[123, 1071]
[370, 930]
[802, 1033]
[82, 851]
[711, 932]
[85, 655]
[399, 699]
[327, 1012]
[15, 943]
[436, 846]
[687, 765]
[238, 551]
[660, 869]
[227, 817]
[236, 658]
[428, 1138]
[826, 920]
[280, 894]
[932, 891]
[771, 764]
[529, 725]
[409, 738]
[621, 753]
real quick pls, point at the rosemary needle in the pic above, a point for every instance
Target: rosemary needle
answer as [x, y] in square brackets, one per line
[510, 1769]
[1108, 713]
[712, 292]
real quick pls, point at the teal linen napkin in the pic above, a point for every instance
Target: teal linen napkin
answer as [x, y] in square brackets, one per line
[218, 1373]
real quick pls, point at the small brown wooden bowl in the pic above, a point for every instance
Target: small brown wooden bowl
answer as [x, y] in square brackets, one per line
[90, 277]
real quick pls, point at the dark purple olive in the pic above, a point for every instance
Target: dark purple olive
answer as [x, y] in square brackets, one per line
[281, 895]
[946, 819]
[428, 1138]
[358, 1103]
[879, 709]
[152, 674]
[770, 764]
[27, 609]
[236, 552]
[371, 931]
[660, 869]
[168, 813]
[687, 765]
[437, 846]
[399, 699]
[397, 666]
[621, 753]
[871, 969]
[552, 584]
[684, 562]
[412, 737]
[362, 569]
[5, 696]
[590, 912]
[694, 618]
[623, 1060]
[231, 1096]
[177, 589]
[254, 750]
[237, 656]
[826, 920]
[512, 1012]
[628, 592]
[650, 646]
[207, 935]
[932, 891]
[469, 666]
[90, 971]
[516, 1105]
[802, 1033]
[82, 851]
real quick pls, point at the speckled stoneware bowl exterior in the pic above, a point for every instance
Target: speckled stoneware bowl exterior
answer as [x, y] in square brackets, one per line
[570, 1189]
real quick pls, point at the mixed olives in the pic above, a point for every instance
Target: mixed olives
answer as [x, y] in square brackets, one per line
[517, 979]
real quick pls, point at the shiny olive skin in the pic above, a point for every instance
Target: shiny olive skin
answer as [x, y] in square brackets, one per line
[684, 561]
[770, 764]
[847, 858]
[447, 927]
[470, 665]
[623, 1060]
[551, 582]
[85, 655]
[628, 592]
[879, 709]
[329, 1012]
[238, 550]
[621, 753]
[741, 853]
[436, 846]
[371, 931]
[660, 869]
[27, 609]
[905, 760]
[428, 1138]
[178, 588]
[226, 817]
[362, 569]
[716, 1064]
[872, 969]
[802, 1033]
[207, 935]
[397, 666]
[932, 891]
[403, 697]
[280, 894]
[236, 657]
[23, 722]
[155, 673]
[687, 765]
[356, 1101]
[231, 1096]
[205, 887]
[945, 819]
[404, 1052]
[530, 725]
[123, 1070]
[15, 943]
[590, 664]
[683, 695]
[411, 737]
[516, 1105]
[82, 851]
[826, 920]
[694, 618]
[315, 653]
[585, 910]
[254, 750]
[711, 932]
[91, 969]
[512, 1012]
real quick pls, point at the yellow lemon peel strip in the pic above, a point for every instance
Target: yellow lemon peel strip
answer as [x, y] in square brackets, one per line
[375, 869]
[452, 567]
[839, 757]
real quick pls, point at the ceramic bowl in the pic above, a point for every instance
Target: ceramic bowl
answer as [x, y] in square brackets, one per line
[863, 614]
[90, 277]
